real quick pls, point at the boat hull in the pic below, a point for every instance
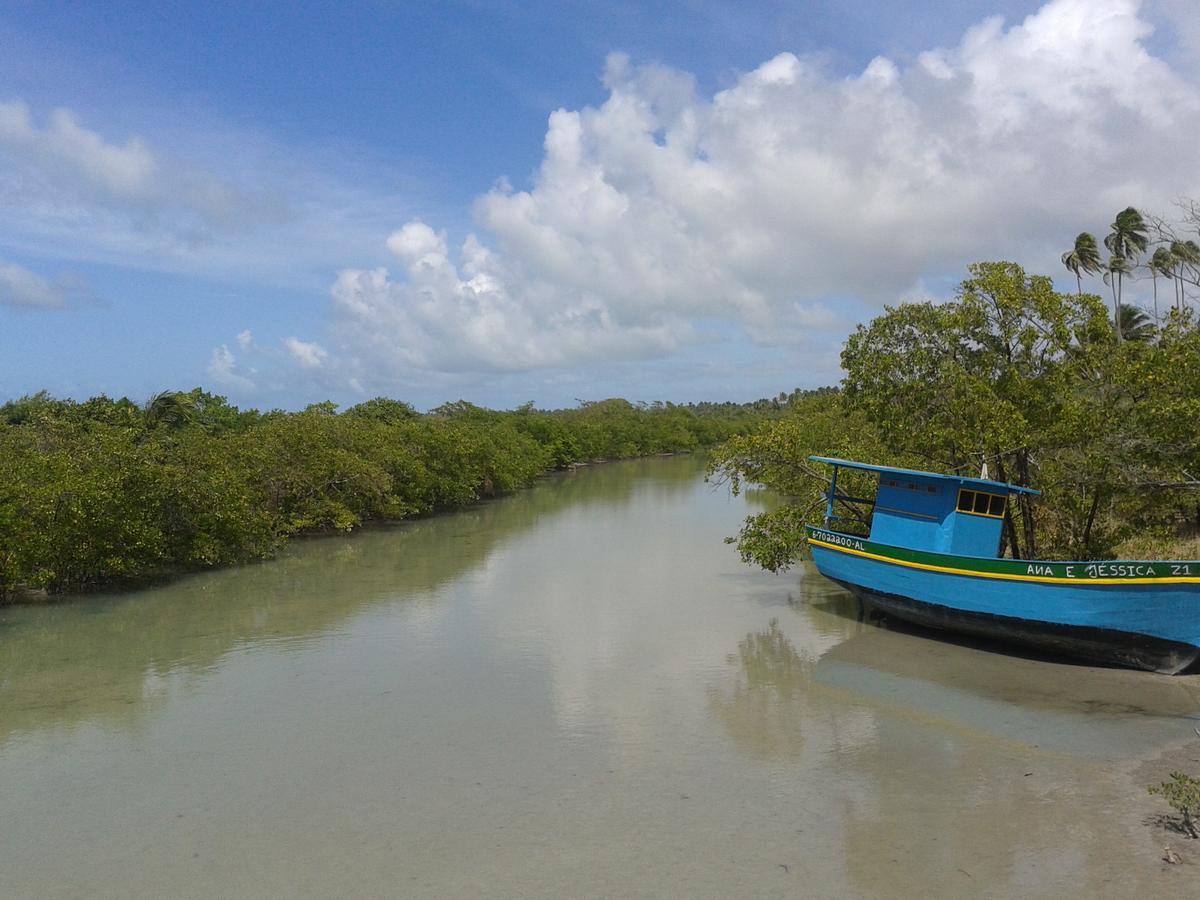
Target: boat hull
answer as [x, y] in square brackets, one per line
[1141, 617]
[1102, 645]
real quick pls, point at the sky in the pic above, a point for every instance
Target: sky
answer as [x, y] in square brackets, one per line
[552, 202]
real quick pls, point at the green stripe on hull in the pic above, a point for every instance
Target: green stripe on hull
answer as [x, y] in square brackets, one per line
[1079, 573]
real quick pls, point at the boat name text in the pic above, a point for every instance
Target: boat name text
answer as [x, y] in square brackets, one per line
[839, 539]
[1110, 570]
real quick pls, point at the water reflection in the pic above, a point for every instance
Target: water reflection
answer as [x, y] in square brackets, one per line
[764, 709]
[1042, 702]
[111, 658]
[928, 753]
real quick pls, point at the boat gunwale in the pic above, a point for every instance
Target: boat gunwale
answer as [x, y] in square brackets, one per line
[979, 566]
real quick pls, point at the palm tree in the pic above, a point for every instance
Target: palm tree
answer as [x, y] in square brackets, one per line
[1135, 324]
[1127, 240]
[169, 408]
[1083, 257]
[1184, 253]
[1117, 267]
[1071, 260]
[1089, 253]
[1161, 263]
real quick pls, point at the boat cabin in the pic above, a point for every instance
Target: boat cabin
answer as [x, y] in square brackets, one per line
[928, 511]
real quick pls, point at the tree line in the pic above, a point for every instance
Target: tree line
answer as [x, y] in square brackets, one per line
[111, 492]
[1034, 383]
[1130, 237]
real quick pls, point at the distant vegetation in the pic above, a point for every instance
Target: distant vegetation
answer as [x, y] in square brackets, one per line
[1046, 388]
[1032, 382]
[108, 492]
[1174, 258]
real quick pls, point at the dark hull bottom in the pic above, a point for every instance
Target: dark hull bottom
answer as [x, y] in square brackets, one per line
[1103, 645]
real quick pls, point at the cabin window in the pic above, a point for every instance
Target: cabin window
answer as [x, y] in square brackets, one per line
[981, 504]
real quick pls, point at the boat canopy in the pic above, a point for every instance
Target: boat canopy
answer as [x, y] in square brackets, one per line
[982, 483]
[929, 511]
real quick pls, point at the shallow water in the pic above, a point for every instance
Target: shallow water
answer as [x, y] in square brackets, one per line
[577, 691]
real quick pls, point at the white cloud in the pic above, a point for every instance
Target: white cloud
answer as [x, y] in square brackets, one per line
[126, 171]
[306, 354]
[67, 162]
[245, 340]
[223, 370]
[1080, 61]
[786, 198]
[478, 316]
[207, 199]
[21, 287]
[418, 247]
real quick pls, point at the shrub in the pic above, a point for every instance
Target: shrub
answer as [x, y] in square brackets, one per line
[1182, 792]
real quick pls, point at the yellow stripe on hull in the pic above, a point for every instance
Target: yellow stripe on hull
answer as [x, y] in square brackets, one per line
[1004, 576]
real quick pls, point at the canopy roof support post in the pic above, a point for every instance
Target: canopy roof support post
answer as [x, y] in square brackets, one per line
[829, 516]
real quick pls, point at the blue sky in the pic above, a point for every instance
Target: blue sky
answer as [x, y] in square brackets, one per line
[523, 201]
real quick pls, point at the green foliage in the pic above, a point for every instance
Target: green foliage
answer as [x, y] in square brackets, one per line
[776, 455]
[1182, 792]
[32, 408]
[381, 409]
[1136, 325]
[78, 507]
[773, 540]
[1083, 257]
[170, 409]
[107, 491]
[1006, 373]
[1014, 374]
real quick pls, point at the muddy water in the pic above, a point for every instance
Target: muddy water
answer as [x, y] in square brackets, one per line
[575, 692]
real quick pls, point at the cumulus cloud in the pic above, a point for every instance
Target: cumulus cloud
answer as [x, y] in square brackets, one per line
[21, 287]
[223, 370]
[307, 354]
[788, 201]
[479, 314]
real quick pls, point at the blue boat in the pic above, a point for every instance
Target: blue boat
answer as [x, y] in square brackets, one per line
[931, 556]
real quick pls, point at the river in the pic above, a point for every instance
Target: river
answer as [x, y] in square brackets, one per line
[577, 691]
